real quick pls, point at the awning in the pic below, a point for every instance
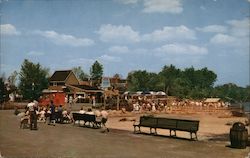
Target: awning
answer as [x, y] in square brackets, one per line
[51, 91]
[212, 100]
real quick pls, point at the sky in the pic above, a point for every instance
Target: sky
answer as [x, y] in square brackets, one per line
[127, 35]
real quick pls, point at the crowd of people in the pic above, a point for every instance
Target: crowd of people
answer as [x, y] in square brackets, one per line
[153, 105]
[101, 116]
[52, 114]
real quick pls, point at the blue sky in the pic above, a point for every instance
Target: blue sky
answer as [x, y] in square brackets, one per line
[126, 35]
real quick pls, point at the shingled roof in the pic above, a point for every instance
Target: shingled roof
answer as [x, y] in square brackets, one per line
[60, 75]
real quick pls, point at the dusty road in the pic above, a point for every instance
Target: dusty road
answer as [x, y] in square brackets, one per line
[68, 141]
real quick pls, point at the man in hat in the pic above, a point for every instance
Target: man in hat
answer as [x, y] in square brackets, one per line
[32, 107]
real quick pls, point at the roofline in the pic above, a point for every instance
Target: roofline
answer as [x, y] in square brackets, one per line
[71, 71]
[59, 71]
[84, 89]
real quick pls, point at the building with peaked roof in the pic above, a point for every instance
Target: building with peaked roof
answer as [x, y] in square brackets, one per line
[61, 78]
[64, 83]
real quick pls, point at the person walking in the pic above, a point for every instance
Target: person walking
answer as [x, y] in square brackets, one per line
[52, 118]
[104, 115]
[33, 116]
[93, 102]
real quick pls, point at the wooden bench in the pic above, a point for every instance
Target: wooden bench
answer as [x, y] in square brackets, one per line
[191, 126]
[91, 119]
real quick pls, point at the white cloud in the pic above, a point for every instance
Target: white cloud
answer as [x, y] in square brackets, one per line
[119, 49]
[170, 33]
[231, 41]
[240, 27]
[178, 49]
[213, 28]
[163, 6]
[118, 34]
[35, 53]
[8, 29]
[125, 34]
[237, 35]
[63, 39]
[108, 58]
[222, 39]
[127, 1]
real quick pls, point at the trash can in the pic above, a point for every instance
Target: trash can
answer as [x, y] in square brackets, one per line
[238, 136]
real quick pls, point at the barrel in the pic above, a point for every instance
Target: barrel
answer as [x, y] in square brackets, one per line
[238, 136]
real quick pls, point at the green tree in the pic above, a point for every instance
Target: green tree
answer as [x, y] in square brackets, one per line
[199, 83]
[154, 82]
[96, 72]
[137, 80]
[33, 79]
[168, 75]
[80, 74]
[3, 91]
[142, 81]
[248, 93]
[180, 87]
[205, 78]
[231, 92]
[13, 78]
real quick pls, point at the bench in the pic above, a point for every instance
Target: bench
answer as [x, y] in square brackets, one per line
[191, 126]
[91, 119]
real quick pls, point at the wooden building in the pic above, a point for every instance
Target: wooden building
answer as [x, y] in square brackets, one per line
[64, 84]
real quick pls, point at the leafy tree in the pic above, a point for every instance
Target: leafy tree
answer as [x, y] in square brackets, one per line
[142, 81]
[199, 83]
[80, 74]
[3, 91]
[96, 72]
[180, 87]
[187, 83]
[190, 76]
[248, 93]
[13, 78]
[154, 82]
[136, 80]
[231, 92]
[33, 79]
[168, 75]
[199, 79]
[206, 78]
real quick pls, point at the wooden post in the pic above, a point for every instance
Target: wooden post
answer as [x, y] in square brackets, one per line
[104, 100]
[118, 102]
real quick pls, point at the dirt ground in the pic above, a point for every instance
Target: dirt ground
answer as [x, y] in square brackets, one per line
[68, 141]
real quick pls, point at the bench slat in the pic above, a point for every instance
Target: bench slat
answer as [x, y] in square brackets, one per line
[148, 121]
[186, 125]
